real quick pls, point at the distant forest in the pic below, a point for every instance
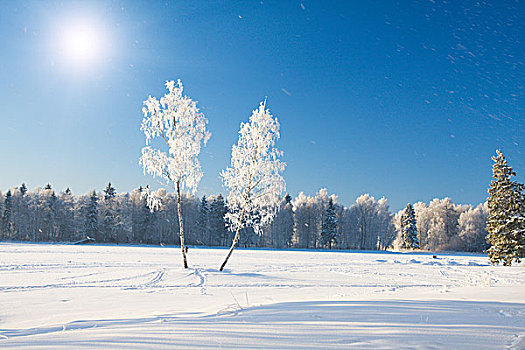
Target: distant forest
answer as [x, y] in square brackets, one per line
[45, 215]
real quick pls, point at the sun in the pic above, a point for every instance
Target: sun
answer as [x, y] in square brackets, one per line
[81, 43]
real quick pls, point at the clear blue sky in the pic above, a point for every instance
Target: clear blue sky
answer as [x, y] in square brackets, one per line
[405, 100]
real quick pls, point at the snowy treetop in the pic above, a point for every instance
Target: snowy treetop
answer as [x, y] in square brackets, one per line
[254, 177]
[177, 120]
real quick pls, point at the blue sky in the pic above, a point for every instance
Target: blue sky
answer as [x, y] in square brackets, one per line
[398, 99]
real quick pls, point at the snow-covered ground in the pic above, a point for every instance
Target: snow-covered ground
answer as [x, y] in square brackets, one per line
[88, 297]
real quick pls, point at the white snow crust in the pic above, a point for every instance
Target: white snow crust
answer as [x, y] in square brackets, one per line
[138, 297]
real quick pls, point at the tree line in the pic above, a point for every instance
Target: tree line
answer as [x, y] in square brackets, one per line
[310, 222]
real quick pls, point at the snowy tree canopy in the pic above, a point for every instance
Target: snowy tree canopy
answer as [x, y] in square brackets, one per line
[177, 120]
[254, 177]
[471, 228]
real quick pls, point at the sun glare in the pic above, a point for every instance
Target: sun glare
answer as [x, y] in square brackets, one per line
[81, 43]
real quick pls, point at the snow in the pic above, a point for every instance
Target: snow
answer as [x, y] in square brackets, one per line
[138, 297]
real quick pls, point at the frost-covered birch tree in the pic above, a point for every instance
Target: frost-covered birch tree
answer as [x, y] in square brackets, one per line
[254, 178]
[472, 229]
[177, 121]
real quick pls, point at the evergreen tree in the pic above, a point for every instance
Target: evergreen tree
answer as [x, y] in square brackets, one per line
[329, 226]
[46, 207]
[21, 218]
[409, 238]
[506, 217]
[109, 192]
[47, 187]
[92, 217]
[288, 227]
[109, 214]
[218, 231]
[142, 215]
[66, 216]
[23, 189]
[52, 216]
[7, 216]
[202, 222]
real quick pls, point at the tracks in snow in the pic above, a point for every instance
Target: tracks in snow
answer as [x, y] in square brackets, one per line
[202, 283]
[156, 278]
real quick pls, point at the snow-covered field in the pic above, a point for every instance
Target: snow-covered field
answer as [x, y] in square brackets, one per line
[112, 297]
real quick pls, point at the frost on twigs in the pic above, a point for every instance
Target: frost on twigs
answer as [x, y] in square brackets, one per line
[177, 121]
[254, 178]
[153, 201]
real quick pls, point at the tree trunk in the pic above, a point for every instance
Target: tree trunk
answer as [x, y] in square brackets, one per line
[234, 242]
[181, 228]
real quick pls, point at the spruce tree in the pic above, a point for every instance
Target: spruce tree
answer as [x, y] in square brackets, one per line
[109, 220]
[23, 189]
[65, 210]
[109, 192]
[218, 231]
[202, 222]
[6, 216]
[506, 217]
[409, 229]
[142, 218]
[287, 211]
[47, 227]
[329, 227]
[92, 217]
[50, 218]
